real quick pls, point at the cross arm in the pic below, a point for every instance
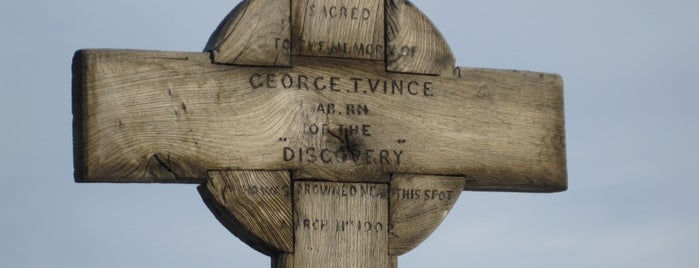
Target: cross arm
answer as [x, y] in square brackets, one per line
[169, 117]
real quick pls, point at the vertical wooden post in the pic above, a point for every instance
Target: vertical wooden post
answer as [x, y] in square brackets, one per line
[341, 224]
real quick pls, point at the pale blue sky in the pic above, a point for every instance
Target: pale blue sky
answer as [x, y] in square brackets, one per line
[631, 70]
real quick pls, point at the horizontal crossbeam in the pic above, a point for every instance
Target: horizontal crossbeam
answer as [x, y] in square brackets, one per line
[169, 117]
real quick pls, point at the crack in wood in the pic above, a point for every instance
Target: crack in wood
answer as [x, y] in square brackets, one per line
[157, 167]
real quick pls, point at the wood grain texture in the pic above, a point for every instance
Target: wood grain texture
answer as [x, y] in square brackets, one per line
[413, 43]
[349, 158]
[259, 33]
[285, 260]
[253, 205]
[254, 33]
[419, 204]
[341, 224]
[338, 28]
[145, 116]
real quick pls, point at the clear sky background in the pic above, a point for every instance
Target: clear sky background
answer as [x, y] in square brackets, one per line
[631, 72]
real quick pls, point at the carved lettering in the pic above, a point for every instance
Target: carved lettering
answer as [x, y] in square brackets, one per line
[402, 51]
[356, 109]
[283, 43]
[340, 130]
[339, 48]
[340, 190]
[312, 224]
[355, 156]
[258, 190]
[422, 194]
[339, 12]
[334, 48]
[328, 108]
[350, 109]
[337, 84]
[343, 225]
[254, 77]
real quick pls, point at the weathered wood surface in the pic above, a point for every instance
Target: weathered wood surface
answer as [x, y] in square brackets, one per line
[414, 44]
[419, 204]
[284, 260]
[263, 33]
[147, 116]
[348, 155]
[338, 28]
[341, 224]
[253, 34]
[253, 205]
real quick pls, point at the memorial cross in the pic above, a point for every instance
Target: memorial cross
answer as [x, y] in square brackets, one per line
[324, 133]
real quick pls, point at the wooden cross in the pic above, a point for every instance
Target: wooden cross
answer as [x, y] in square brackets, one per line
[324, 133]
